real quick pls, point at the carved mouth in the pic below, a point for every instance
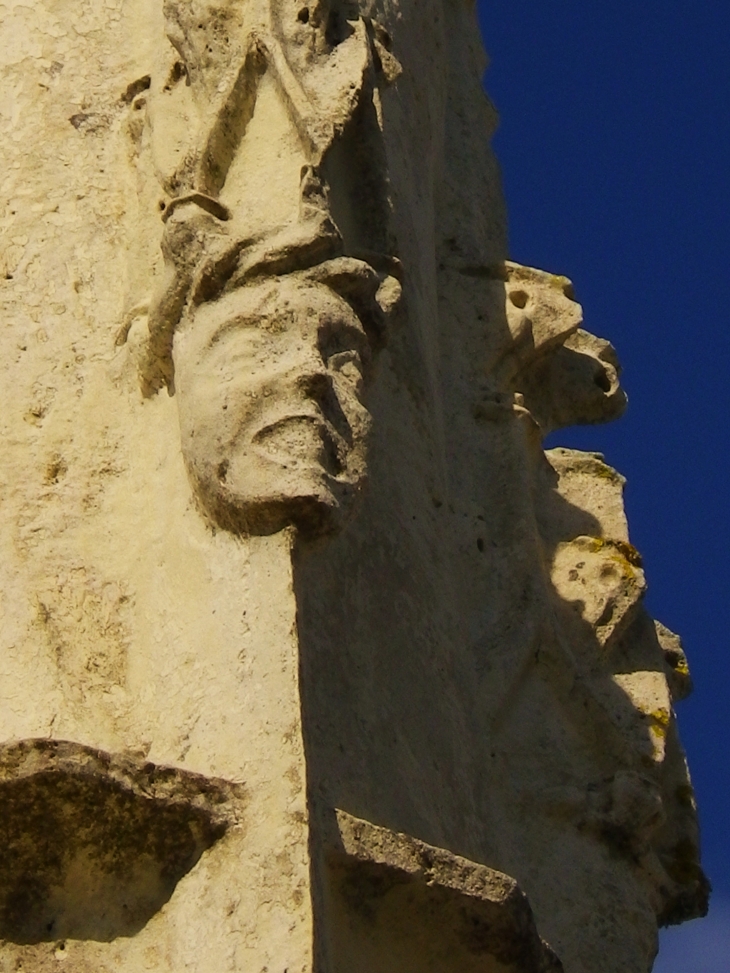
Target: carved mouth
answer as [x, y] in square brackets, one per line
[301, 441]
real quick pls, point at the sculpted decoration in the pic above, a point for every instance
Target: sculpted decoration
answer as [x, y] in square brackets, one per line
[605, 653]
[563, 375]
[263, 127]
[445, 738]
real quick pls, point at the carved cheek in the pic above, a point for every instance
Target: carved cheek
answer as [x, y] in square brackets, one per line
[346, 375]
[220, 383]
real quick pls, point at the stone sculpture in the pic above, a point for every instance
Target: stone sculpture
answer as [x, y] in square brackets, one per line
[314, 659]
[279, 307]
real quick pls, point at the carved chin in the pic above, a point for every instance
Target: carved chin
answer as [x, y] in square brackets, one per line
[258, 496]
[295, 471]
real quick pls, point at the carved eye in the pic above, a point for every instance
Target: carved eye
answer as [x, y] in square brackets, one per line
[177, 73]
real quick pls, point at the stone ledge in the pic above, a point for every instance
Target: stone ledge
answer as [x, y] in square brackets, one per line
[409, 890]
[94, 843]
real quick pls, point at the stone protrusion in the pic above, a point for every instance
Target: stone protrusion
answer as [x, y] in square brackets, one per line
[94, 844]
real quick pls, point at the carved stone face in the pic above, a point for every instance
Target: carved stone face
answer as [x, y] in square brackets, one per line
[268, 379]
[260, 117]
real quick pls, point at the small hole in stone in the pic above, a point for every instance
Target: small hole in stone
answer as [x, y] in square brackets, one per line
[385, 39]
[303, 15]
[519, 298]
[162, 204]
[223, 471]
[480, 545]
[8, 276]
[602, 381]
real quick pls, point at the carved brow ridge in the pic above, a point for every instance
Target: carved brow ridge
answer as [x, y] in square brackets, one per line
[319, 259]
[210, 205]
[287, 251]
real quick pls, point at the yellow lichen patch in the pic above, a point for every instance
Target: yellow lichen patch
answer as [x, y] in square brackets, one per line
[629, 552]
[625, 555]
[559, 282]
[606, 472]
[659, 722]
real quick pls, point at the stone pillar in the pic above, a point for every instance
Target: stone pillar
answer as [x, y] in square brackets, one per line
[313, 659]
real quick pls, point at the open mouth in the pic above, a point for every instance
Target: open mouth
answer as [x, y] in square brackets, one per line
[302, 441]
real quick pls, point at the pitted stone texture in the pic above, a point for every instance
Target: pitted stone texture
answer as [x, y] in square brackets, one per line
[422, 658]
[95, 844]
[396, 899]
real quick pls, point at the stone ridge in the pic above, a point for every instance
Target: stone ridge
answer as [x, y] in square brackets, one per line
[491, 906]
[96, 843]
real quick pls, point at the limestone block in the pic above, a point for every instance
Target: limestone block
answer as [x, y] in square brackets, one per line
[279, 533]
[96, 844]
[397, 899]
[587, 484]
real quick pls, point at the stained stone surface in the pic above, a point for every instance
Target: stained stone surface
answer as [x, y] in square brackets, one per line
[279, 534]
[94, 845]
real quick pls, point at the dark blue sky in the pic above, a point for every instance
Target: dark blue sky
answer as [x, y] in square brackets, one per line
[615, 148]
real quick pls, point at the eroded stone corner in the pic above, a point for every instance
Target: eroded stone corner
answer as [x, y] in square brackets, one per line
[393, 896]
[95, 843]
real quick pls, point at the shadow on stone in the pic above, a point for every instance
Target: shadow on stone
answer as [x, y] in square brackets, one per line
[395, 902]
[94, 844]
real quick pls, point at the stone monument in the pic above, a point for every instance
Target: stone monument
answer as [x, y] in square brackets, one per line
[313, 659]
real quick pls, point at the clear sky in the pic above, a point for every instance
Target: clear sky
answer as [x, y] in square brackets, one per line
[615, 147]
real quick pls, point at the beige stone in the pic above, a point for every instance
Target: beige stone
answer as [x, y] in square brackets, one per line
[313, 659]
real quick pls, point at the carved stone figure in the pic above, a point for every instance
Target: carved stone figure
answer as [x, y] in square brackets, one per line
[266, 318]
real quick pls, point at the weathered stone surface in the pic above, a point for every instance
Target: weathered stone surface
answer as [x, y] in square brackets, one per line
[95, 845]
[392, 894]
[278, 524]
